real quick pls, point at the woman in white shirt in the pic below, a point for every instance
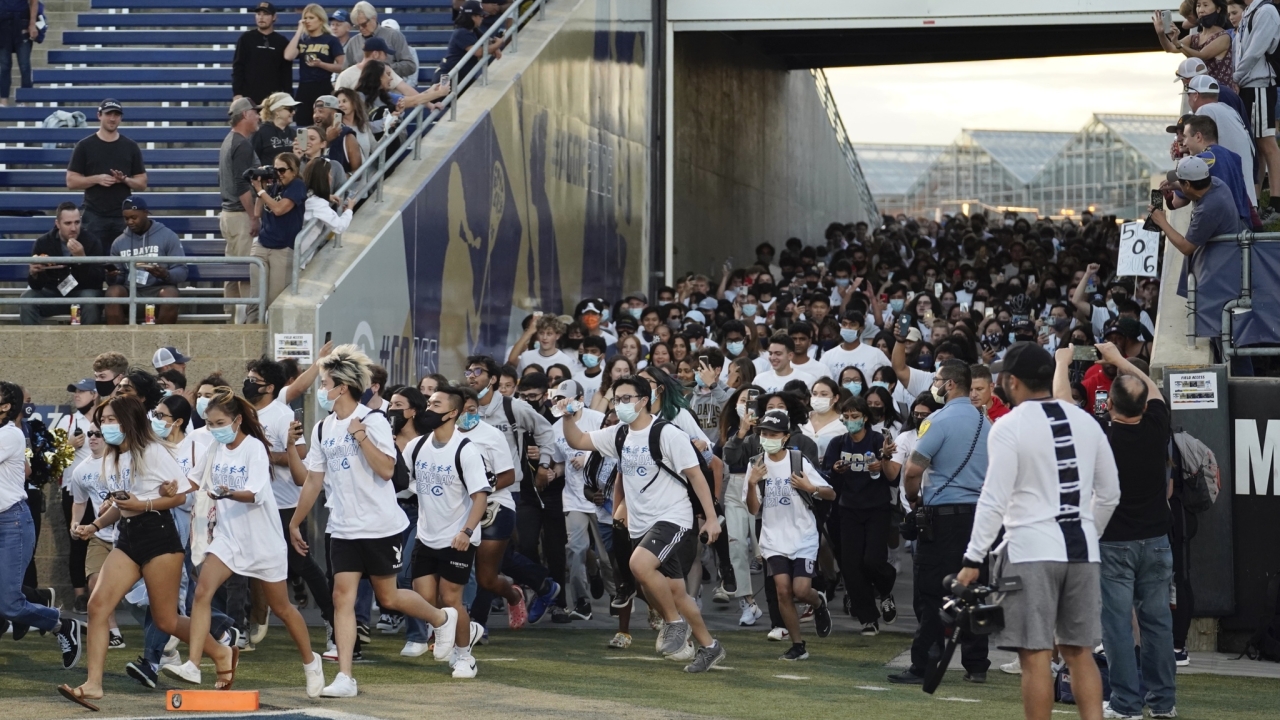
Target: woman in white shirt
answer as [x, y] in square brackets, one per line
[321, 203]
[248, 539]
[145, 483]
[824, 420]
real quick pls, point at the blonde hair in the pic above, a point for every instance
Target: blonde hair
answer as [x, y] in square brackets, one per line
[321, 15]
[269, 105]
[347, 365]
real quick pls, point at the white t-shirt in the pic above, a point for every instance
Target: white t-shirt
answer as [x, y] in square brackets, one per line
[444, 497]
[497, 457]
[590, 385]
[13, 469]
[667, 499]
[361, 504]
[812, 366]
[689, 424]
[248, 536]
[772, 382]
[787, 527]
[350, 77]
[535, 357]
[84, 482]
[275, 419]
[864, 357]
[904, 445]
[920, 381]
[823, 436]
[574, 478]
[158, 467]
[68, 423]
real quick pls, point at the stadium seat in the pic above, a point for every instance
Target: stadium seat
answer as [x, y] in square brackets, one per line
[185, 177]
[148, 38]
[176, 56]
[59, 157]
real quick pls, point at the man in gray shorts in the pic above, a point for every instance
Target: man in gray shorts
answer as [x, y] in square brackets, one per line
[1052, 483]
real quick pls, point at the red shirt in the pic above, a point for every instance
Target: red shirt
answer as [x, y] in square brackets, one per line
[1094, 380]
[997, 409]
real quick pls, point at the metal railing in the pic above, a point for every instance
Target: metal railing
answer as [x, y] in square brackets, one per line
[132, 298]
[1246, 241]
[846, 145]
[411, 127]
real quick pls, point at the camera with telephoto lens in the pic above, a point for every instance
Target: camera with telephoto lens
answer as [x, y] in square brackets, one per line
[965, 614]
[266, 172]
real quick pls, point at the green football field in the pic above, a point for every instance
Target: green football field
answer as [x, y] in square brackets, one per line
[844, 675]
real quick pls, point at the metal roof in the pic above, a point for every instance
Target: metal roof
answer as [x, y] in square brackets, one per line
[894, 169]
[1023, 153]
[1146, 134]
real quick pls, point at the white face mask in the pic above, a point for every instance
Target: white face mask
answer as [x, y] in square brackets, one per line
[820, 404]
[771, 445]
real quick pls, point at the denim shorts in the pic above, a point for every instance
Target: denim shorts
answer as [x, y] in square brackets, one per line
[147, 536]
[502, 527]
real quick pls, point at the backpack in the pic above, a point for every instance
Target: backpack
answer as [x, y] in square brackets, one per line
[1265, 644]
[398, 480]
[62, 119]
[1200, 475]
[655, 452]
[457, 461]
[821, 509]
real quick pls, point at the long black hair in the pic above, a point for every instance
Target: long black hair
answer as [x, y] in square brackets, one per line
[370, 85]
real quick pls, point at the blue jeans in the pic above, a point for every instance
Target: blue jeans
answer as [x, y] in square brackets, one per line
[14, 40]
[17, 545]
[1136, 576]
[415, 630]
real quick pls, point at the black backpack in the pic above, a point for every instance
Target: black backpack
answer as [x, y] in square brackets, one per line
[457, 461]
[655, 452]
[1265, 644]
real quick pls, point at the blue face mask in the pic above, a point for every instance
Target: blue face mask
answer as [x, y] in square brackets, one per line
[482, 393]
[848, 335]
[112, 435]
[653, 398]
[635, 312]
[589, 360]
[160, 428]
[880, 384]
[697, 379]
[854, 426]
[627, 413]
[854, 387]
[604, 315]
[736, 347]
[326, 402]
[896, 304]
[842, 282]
[468, 421]
[202, 404]
[749, 310]
[225, 435]
[730, 295]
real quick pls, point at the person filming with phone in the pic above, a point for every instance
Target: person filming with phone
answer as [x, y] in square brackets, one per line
[144, 236]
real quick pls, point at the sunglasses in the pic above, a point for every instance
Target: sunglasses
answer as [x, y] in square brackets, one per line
[477, 372]
[94, 434]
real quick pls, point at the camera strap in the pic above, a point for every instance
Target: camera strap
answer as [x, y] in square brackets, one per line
[982, 419]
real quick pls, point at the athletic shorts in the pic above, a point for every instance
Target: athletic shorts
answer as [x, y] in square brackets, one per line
[95, 555]
[675, 547]
[447, 563]
[1060, 603]
[375, 557]
[783, 565]
[1259, 110]
[147, 536]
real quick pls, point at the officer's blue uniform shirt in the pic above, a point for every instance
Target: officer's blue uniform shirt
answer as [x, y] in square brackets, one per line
[945, 438]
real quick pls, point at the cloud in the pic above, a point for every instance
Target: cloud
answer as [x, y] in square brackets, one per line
[932, 103]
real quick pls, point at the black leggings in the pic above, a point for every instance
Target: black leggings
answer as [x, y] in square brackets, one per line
[75, 559]
[534, 522]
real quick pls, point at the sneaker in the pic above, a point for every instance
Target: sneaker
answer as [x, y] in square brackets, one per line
[330, 653]
[81, 605]
[822, 618]
[258, 633]
[686, 654]
[314, 672]
[581, 609]
[414, 649]
[1182, 658]
[115, 641]
[299, 588]
[141, 671]
[906, 677]
[1013, 668]
[721, 595]
[623, 599]
[778, 634]
[518, 613]
[186, 672]
[544, 602]
[386, 623]
[977, 678]
[559, 616]
[751, 612]
[871, 629]
[655, 620]
[47, 596]
[241, 640]
[477, 632]
[343, 686]
[807, 614]
[1107, 712]
[706, 658]
[172, 645]
[674, 637]
[445, 634]
[621, 640]
[596, 584]
[1171, 713]
[362, 634]
[888, 609]
[465, 667]
[757, 566]
[170, 657]
[797, 652]
[68, 634]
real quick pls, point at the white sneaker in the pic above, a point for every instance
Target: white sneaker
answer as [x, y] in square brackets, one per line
[258, 632]
[453, 656]
[751, 612]
[314, 672]
[343, 686]
[331, 653]
[1013, 668]
[172, 645]
[1107, 712]
[778, 634]
[446, 633]
[187, 672]
[414, 649]
[686, 654]
[465, 666]
[170, 658]
[721, 595]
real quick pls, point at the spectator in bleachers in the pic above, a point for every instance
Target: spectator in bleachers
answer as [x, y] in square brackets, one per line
[259, 67]
[317, 148]
[344, 134]
[1256, 39]
[53, 280]
[145, 237]
[237, 223]
[375, 48]
[379, 102]
[493, 9]
[280, 206]
[278, 133]
[321, 203]
[340, 24]
[319, 56]
[1233, 133]
[1209, 41]
[17, 32]
[463, 45]
[1192, 67]
[108, 167]
[404, 59]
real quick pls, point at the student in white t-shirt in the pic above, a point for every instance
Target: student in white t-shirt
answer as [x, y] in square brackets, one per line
[781, 349]
[788, 529]
[591, 376]
[352, 458]
[75, 424]
[655, 506]
[247, 539]
[448, 472]
[87, 491]
[548, 329]
[851, 350]
[803, 358]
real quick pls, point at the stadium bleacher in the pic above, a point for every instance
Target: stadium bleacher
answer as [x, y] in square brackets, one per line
[169, 63]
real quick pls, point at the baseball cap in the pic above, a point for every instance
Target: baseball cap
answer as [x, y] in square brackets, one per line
[1192, 168]
[590, 307]
[376, 44]
[695, 316]
[1203, 84]
[626, 321]
[285, 101]
[913, 335]
[84, 385]
[327, 101]
[1181, 121]
[134, 202]
[168, 356]
[390, 23]
[566, 389]
[637, 296]
[1028, 361]
[241, 105]
[1190, 68]
[775, 420]
[110, 105]
[265, 7]
[708, 303]
[471, 7]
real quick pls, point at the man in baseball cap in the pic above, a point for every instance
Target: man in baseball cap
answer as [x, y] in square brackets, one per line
[1193, 67]
[242, 105]
[169, 358]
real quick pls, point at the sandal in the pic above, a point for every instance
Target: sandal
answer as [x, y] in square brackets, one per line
[76, 695]
[235, 662]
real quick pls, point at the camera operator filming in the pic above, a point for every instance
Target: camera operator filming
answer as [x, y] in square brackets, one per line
[281, 205]
[1052, 483]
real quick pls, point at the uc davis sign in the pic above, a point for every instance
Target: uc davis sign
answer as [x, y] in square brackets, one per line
[1255, 503]
[1257, 457]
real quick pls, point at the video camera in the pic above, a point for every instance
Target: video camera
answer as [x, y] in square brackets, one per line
[965, 614]
[266, 172]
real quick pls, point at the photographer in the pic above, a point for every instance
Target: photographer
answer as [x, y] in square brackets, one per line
[1052, 485]
[952, 447]
[280, 207]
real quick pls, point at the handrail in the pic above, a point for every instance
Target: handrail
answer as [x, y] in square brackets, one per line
[842, 139]
[375, 168]
[1246, 240]
[132, 300]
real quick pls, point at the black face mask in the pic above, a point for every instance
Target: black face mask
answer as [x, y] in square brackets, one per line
[876, 414]
[85, 410]
[572, 343]
[1050, 293]
[430, 421]
[397, 420]
[252, 391]
[970, 285]
[105, 387]
[28, 410]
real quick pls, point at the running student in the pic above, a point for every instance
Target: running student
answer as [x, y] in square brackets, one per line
[247, 539]
[352, 457]
[87, 490]
[449, 475]
[781, 496]
[659, 516]
[145, 483]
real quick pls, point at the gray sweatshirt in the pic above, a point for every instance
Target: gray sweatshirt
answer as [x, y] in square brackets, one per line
[527, 421]
[1257, 37]
[157, 241]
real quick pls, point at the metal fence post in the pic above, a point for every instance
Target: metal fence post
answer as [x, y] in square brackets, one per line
[133, 291]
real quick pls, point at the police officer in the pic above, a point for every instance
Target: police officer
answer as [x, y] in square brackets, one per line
[953, 448]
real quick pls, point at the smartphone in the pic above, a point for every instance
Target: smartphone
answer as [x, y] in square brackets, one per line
[338, 117]
[937, 289]
[964, 308]
[1045, 330]
[1085, 352]
[884, 298]
[1031, 279]
[928, 317]
[979, 306]
[1100, 399]
[704, 360]
[299, 414]
[988, 312]
[1166, 21]
[752, 394]
[327, 337]
[904, 324]
[1157, 200]
[120, 495]
[302, 139]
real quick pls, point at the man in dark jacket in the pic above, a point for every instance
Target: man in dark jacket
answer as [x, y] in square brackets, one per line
[259, 67]
[55, 280]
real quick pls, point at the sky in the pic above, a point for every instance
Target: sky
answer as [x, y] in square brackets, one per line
[931, 103]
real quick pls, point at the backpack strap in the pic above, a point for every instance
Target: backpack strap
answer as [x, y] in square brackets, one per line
[797, 463]
[457, 462]
[655, 452]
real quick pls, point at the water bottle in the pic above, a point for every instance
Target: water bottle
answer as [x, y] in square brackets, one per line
[871, 457]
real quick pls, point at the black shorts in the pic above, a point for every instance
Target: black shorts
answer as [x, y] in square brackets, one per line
[783, 565]
[148, 536]
[375, 557]
[447, 563]
[675, 547]
[1259, 110]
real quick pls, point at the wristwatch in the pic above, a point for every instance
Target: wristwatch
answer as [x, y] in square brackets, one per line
[467, 531]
